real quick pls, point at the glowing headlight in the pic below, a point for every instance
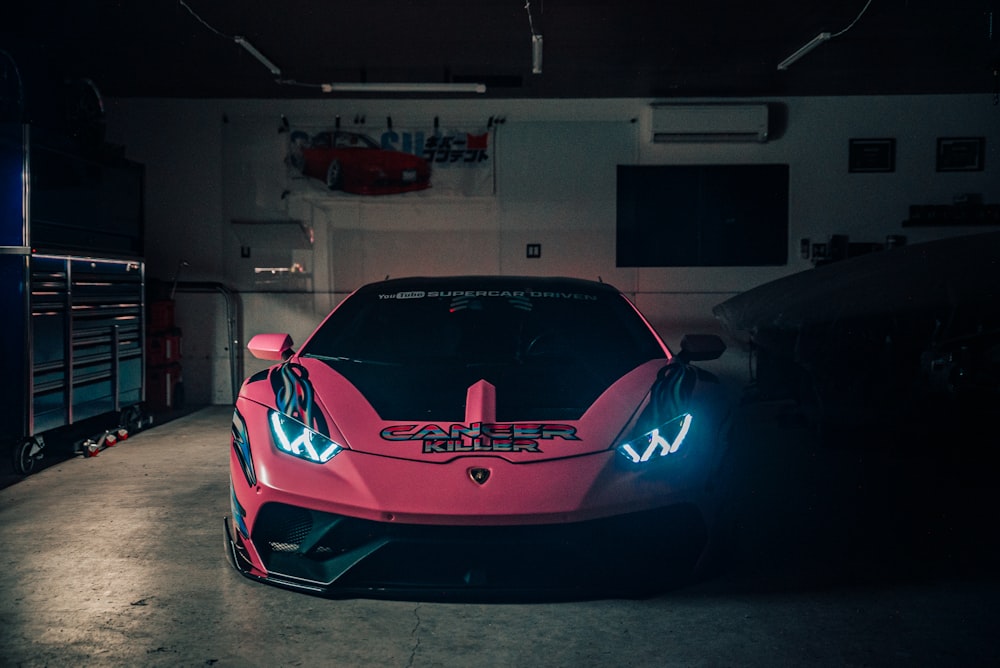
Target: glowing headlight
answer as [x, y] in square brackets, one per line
[294, 438]
[660, 442]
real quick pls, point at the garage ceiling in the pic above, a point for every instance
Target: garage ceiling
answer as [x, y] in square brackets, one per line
[590, 48]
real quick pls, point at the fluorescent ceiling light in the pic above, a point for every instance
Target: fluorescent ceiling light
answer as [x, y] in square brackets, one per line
[242, 41]
[443, 87]
[536, 54]
[804, 49]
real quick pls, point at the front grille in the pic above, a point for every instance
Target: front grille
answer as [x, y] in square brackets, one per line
[289, 530]
[636, 551]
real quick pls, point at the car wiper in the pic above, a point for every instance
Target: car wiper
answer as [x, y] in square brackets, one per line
[353, 360]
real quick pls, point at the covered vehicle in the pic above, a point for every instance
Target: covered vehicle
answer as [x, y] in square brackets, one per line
[902, 340]
[355, 163]
[474, 434]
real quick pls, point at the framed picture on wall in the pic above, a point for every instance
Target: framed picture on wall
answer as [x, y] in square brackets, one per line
[872, 155]
[960, 154]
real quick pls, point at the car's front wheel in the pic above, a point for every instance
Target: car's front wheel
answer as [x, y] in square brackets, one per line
[334, 175]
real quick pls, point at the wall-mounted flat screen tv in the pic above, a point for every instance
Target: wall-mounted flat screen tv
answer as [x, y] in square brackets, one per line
[702, 215]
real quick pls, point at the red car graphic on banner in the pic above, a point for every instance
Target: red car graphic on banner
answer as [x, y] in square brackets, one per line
[356, 163]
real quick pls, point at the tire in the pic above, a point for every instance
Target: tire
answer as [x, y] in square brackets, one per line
[334, 175]
[24, 461]
[131, 419]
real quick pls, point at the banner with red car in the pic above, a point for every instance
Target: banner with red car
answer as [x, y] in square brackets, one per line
[366, 160]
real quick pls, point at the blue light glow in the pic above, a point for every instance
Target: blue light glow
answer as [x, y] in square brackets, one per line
[662, 441]
[239, 514]
[294, 438]
[241, 444]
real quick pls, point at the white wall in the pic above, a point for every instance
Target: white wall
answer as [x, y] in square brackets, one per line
[555, 165]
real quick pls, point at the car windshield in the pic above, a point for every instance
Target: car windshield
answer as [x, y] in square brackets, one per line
[342, 140]
[351, 140]
[539, 348]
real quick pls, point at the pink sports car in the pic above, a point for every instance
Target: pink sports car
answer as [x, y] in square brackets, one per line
[480, 435]
[355, 163]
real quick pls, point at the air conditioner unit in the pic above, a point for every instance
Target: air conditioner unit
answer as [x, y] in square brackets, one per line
[709, 123]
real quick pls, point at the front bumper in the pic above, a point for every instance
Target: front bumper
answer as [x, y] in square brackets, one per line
[332, 555]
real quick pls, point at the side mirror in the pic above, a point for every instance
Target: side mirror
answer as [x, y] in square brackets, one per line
[277, 347]
[701, 348]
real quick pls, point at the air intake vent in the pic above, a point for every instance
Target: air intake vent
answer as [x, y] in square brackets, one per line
[709, 123]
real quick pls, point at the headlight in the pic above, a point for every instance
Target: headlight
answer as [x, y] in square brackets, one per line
[294, 438]
[660, 442]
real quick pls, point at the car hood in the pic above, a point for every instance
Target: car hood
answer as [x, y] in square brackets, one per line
[419, 431]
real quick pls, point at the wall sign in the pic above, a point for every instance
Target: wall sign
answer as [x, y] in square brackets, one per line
[872, 155]
[960, 154]
[365, 160]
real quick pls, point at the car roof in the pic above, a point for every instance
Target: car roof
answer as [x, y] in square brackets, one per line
[491, 282]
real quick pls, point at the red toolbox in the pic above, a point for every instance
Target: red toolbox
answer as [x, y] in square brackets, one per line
[164, 386]
[163, 348]
[160, 315]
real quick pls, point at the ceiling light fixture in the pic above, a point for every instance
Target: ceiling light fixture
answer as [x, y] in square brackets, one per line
[242, 41]
[819, 39]
[804, 49]
[444, 87]
[536, 42]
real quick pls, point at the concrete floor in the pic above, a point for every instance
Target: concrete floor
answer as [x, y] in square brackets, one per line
[849, 555]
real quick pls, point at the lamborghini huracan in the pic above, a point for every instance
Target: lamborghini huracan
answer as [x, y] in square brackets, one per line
[480, 435]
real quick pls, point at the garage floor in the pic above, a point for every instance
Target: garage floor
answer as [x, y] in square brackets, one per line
[850, 554]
